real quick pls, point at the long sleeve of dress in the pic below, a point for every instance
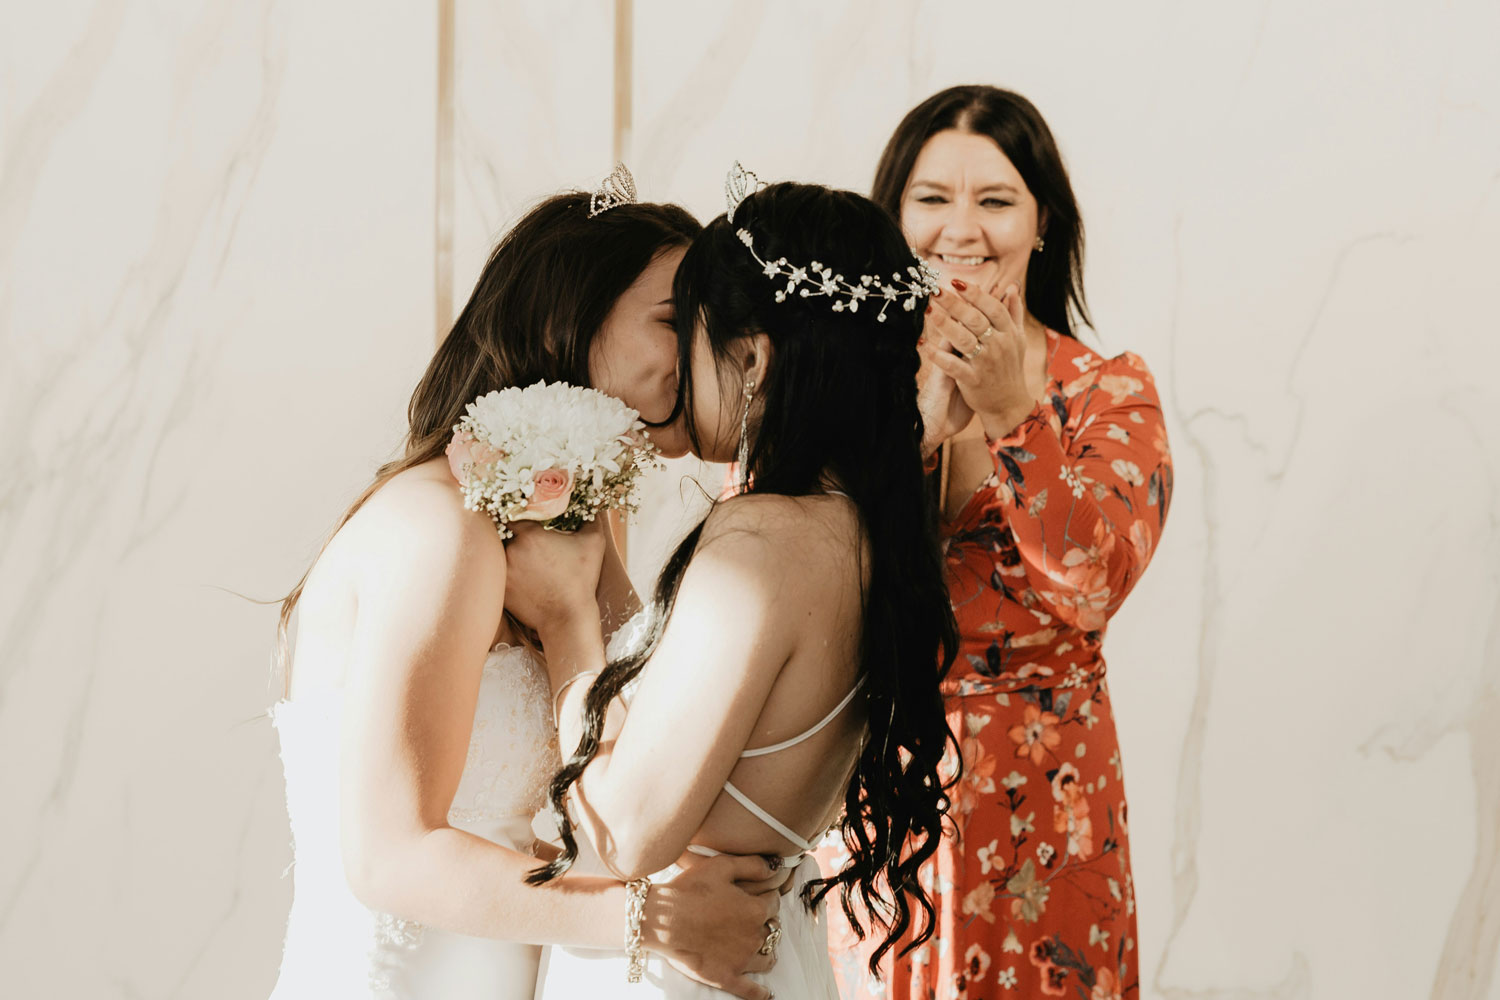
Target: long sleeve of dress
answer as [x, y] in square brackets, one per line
[1088, 488]
[1032, 880]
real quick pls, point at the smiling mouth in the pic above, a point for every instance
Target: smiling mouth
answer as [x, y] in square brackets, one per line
[947, 258]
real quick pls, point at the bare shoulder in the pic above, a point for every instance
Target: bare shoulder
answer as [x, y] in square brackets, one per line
[797, 542]
[418, 519]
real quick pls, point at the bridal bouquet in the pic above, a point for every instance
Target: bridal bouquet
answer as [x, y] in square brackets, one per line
[555, 453]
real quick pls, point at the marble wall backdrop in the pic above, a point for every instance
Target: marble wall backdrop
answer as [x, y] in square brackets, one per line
[216, 245]
[533, 108]
[216, 290]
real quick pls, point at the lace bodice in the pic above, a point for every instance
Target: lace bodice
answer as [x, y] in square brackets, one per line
[513, 746]
[335, 946]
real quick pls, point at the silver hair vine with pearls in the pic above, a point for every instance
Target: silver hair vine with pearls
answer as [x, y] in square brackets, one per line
[617, 189]
[817, 281]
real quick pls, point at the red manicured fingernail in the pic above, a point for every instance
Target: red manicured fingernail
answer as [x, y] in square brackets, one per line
[929, 307]
[958, 284]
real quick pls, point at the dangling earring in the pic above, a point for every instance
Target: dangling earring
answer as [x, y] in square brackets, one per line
[742, 458]
[1040, 244]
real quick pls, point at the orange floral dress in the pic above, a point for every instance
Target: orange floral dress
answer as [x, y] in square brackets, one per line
[1032, 885]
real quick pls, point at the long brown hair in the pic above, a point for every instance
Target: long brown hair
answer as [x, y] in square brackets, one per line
[542, 297]
[1054, 279]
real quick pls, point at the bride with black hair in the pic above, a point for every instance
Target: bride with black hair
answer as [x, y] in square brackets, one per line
[786, 679]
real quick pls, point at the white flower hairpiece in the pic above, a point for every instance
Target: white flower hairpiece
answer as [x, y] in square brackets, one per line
[615, 190]
[815, 280]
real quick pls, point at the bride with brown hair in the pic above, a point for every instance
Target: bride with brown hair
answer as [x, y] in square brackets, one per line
[417, 731]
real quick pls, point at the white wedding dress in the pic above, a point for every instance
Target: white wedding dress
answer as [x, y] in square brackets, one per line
[337, 948]
[803, 970]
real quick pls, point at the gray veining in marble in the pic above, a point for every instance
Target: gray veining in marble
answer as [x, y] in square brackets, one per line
[216, 291]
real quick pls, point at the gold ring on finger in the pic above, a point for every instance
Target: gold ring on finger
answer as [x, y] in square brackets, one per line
[773, 935]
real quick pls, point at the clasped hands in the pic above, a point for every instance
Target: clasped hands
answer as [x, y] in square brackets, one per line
[973, 351]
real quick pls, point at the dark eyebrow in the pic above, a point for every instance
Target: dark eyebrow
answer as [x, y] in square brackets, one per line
[938, 186]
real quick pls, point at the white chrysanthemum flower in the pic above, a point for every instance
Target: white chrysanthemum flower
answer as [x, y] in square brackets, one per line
[557, 454]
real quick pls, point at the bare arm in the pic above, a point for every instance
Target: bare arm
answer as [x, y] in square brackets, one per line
[430, 591]
[651, 787]
[430, 594]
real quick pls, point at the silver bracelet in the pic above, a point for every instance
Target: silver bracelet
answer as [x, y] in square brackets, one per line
[635, 912]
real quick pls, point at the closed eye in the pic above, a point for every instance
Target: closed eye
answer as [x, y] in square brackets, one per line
[936, 199]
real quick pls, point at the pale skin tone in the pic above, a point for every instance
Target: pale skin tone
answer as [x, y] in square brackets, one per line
[969, 212]
[762, 643]
[400, 613]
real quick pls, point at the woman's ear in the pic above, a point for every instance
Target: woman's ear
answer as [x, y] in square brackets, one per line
[757, 358]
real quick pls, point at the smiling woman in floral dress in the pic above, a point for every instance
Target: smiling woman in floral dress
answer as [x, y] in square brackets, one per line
[1055, 474]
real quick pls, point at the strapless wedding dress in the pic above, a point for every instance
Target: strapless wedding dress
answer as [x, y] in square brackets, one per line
[336, 947]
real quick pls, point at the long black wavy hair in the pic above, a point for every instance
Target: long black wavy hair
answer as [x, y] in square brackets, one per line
[839, 406]
[1054, 278]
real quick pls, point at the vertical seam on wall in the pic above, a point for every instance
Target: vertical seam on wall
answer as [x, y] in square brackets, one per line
[443, 174]
[624, 86]
[624, 82]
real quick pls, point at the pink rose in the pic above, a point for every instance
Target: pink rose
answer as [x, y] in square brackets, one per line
[552, 491]
[465, 452]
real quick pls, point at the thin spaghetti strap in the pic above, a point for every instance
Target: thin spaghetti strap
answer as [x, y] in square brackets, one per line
[767, 818]
[762, 751]
[788, 860]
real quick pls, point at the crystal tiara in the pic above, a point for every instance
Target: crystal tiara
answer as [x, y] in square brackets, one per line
[818, 281]
[615, 190]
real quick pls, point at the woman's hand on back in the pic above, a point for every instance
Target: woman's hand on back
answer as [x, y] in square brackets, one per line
[710, 921]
